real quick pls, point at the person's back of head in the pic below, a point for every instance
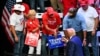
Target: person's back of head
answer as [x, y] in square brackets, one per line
[70, 32]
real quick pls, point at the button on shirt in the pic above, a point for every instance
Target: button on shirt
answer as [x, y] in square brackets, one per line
[78, 23]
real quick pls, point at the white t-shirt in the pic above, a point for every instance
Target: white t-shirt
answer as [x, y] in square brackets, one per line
[17, 21]
[90, 14]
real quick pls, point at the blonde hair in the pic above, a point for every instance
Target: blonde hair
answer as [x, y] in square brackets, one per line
[31, 12]
[71, 31]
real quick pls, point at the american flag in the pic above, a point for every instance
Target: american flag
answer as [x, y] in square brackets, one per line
[5, 19]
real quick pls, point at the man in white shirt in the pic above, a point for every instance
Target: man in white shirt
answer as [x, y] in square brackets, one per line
[17, 25]
[91, 16]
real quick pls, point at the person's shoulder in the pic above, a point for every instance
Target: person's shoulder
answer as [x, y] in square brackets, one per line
[79, 15]
[13, 14]
[44, 15]
[66, 16]
[91, 8]
[56, 13]
[80, 8]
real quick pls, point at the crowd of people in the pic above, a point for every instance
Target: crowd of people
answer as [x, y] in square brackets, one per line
[80, 23]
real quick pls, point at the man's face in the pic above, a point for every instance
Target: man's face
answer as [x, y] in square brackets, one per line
[84, 7]
[71, 15]
[51, 15]
[17, 12]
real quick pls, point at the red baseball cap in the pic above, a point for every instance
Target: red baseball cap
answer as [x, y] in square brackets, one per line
[83, 2]
[50, 10]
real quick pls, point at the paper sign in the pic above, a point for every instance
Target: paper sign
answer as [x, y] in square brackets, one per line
[32, 39]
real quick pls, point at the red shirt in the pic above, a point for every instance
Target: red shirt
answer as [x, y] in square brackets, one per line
[50, 22]
[32, 24]
[68, 4]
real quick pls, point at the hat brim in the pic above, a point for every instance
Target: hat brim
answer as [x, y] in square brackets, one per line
[83, 4]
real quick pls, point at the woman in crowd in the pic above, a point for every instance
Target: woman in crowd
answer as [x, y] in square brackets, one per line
[32, 25]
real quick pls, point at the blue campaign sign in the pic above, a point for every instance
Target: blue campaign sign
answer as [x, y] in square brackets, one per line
[55, 42]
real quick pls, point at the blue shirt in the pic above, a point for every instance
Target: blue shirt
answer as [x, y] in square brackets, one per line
[78, 23]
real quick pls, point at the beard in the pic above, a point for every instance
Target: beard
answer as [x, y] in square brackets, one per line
[72, 16]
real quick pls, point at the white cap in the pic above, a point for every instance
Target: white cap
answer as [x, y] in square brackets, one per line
[19, 7]
[18, 0]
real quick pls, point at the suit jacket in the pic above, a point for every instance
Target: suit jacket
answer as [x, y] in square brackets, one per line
[74, 47]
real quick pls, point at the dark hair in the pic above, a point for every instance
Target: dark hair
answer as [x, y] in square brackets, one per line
[72, 10]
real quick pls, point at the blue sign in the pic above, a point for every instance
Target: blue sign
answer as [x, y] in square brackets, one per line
[55, 42]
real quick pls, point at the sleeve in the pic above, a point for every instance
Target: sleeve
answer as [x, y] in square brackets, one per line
[58, 19]
[38, 22]
[70, 48]
[65, 25]
[83, 23]
[44, 19]
[95, 14]
[12, 20]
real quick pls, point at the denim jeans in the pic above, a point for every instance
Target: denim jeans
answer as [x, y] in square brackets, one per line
[19, 45]
[34, 3]
[43, 46]
[91, 39]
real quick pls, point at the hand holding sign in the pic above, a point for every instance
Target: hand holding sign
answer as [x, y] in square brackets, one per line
[32, 39]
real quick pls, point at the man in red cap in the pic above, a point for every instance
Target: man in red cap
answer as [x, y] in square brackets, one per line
[51, 22]
[91, 17]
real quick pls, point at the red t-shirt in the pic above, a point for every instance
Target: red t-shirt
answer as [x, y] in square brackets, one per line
[32, 24]
[50, 22]
[68, 4]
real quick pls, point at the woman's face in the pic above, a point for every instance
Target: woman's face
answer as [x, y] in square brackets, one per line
[32, 16]
[17, 12]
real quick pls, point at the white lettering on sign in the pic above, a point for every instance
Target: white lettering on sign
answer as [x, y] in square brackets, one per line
[55, 41]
